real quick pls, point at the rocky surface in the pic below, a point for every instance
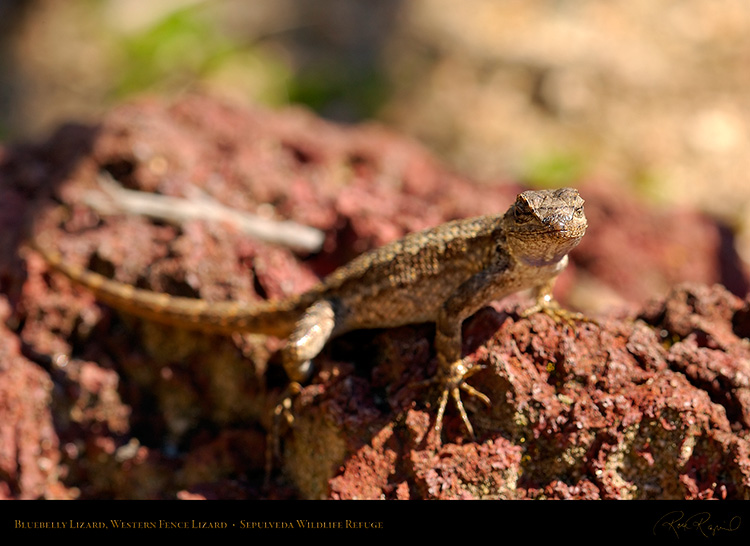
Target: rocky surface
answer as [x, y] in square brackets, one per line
[651, 403]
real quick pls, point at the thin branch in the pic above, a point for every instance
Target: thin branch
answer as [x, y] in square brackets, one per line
[114, 199]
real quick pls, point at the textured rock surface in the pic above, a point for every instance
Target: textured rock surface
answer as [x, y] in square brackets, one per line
[651, 404]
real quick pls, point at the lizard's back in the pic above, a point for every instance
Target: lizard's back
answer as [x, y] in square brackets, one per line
[402, 282]
[407, 280]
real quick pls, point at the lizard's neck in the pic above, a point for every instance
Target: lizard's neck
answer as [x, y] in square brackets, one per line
[542, 269]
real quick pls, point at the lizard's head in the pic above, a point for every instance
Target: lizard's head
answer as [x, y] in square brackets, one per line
[543, 226]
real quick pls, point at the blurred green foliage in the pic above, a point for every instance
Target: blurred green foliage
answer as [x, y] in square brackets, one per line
[340, 91]
[186, 47]
[556, 169]
[189, 46]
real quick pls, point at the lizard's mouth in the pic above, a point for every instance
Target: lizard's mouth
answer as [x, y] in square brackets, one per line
[545, 245]
[568, 233]
[558, 233]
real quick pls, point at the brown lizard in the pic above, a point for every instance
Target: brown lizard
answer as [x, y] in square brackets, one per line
[442, 275]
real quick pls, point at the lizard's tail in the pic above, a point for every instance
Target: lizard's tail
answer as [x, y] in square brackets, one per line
[270, 318]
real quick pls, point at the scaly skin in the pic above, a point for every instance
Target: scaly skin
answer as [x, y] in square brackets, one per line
[442, 275]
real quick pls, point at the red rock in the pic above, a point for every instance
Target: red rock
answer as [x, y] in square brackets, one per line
[651, 404]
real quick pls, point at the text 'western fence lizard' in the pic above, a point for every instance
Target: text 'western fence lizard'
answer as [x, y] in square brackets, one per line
[441, 275]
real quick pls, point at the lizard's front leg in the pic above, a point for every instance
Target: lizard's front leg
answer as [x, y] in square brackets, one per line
[452, 370]
[452, 373]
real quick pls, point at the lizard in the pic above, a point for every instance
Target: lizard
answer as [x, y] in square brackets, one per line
[443, 275]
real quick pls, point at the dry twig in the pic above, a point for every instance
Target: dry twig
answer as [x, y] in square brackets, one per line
[114, 199]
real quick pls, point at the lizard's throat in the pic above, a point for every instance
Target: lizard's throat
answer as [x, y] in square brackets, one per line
[542, 251]
[542, 261]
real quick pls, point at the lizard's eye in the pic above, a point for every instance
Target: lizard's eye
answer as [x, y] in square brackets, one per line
[522, 212]
[578, 212]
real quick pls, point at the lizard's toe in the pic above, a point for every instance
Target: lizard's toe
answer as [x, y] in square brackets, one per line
[553, 310]
[452, 383]
[282, 414]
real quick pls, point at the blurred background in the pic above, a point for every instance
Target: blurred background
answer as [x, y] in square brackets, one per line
[652, 96]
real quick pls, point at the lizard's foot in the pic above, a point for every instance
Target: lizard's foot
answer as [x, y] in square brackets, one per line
[552, 309]
[452, 379]
[282, 413]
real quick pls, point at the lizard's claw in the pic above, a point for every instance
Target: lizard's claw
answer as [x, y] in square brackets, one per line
[552, 309]
[281, 413]
[453, 382]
